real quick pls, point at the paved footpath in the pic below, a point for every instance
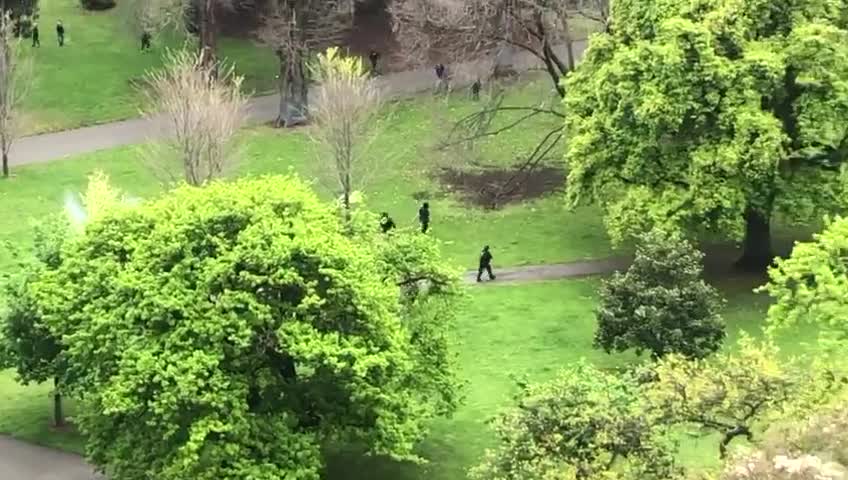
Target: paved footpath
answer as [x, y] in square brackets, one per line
[61, 145]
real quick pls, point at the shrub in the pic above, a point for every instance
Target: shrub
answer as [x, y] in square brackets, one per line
[97, 4]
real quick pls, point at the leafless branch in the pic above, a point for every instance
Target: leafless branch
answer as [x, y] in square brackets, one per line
[204, 111]
[15, 78]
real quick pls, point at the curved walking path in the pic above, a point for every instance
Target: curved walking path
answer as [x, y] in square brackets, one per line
[61, 145]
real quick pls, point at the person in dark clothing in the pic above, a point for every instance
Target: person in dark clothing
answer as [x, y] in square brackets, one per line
[60, 33]
[475, 90]
[440, 71]
[485, 264]
[374, 57]
[386, 223]
[424, 217]
[146, 39]
[35, 40]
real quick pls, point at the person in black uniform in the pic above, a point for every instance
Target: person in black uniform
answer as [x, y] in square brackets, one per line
[485, 264]
[374, 57]
[424, 217]
[386, 223]
[475, 90]
[60, 33]
[36, 42]
[146, 39]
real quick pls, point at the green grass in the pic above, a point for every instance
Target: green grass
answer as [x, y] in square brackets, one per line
[504, 332]
[91, 79]
[541, 231]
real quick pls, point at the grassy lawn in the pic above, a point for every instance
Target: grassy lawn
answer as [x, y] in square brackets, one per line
[91, 79]
[538, 231]
[504, 331]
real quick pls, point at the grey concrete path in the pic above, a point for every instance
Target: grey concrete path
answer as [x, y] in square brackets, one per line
[24, 461]
[60, 145]
[555, 271]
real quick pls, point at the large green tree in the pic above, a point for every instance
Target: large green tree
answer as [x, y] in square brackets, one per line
[232, 331]
[714, 115]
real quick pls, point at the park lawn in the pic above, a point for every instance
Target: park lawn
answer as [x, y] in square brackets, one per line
[503, 332]
[94, 77]
[537, 231]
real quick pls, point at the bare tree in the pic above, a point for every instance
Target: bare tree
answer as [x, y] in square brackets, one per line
[460, 30]
[345, 120]
[204, 112]
[295, 30]
[15, 77]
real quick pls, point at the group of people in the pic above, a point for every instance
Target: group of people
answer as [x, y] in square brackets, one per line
[485, 264]
[60, 34]
[442, 77]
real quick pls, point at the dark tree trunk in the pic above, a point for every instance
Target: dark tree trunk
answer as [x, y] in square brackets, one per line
[294, 92]
[58, 412]
[208, 36]
[757, 254]
[740, 430]
[5, 164]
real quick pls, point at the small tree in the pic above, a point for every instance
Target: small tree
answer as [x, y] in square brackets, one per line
[26, 342]
[661, 304]
[347, 102]
[727, 393]
[584, 424]
[15, 78]
[205, 113]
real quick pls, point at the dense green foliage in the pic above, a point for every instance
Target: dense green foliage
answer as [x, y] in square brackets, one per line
[585, 424]
[231, 331]
[812, 285]
[661, 304]
[712, 116]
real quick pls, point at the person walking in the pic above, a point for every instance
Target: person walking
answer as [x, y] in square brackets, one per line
[485, 264]
[475, 90]
[386, 223]
[146, 39]
[441, 79]
[374, 57]
[36, 42]
[424, 217]
[60, 33]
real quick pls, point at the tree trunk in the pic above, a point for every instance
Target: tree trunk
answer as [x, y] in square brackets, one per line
[293, 92]
[5, 165]
[208, 36]
[58, 413]
[757, 254]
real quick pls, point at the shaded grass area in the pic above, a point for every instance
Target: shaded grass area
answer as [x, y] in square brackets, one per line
[504, 332]
[92, 78]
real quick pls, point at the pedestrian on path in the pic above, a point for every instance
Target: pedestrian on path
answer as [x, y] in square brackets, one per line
[35, 40]
[60, 33]
[424, 217]
[485, 264]
[442, 83]
[475, 90]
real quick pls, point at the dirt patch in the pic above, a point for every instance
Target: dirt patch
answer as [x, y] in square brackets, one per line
[495, 188]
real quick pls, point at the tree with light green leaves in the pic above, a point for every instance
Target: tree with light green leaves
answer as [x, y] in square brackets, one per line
[811, 287]
[585, 424]
[27, 344]
[730, 393]
[234, 330]
[712, 116]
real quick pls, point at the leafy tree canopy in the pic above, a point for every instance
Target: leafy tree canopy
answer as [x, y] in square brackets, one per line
[584, 424]
[661, 304]
[811, 286]
[230, 331]
[712, 115]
